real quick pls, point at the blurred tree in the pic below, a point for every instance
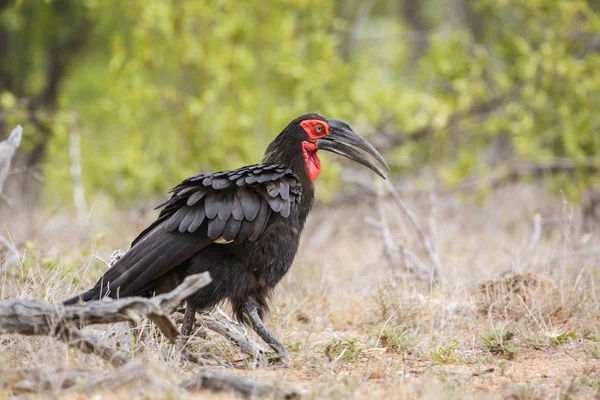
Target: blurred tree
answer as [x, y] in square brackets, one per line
[502, 82]
[39, 43]
[165, 89]
[188, 86]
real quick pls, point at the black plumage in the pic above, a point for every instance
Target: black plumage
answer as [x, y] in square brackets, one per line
[243, 226]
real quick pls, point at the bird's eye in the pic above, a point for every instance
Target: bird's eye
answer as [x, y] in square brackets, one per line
[319, 128]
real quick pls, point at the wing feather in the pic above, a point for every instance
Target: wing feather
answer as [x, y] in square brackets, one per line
[175, 220]
[231, 229]
[196, 197]
[199, 217]
[237, 212]
[276, 203]
[250, 203]
[211, 204]
[237, 205]
[215, 228]
[261, 221]
[188, 219]
[225, 206]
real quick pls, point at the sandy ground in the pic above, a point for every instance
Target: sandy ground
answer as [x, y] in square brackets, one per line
[513, 312]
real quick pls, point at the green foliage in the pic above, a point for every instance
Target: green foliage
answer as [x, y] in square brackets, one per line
[499, 341]
[536, 55]
[346, 348]
[564, 338]
[200, 86]
[446, 355]
[161, 90]
[398, 339]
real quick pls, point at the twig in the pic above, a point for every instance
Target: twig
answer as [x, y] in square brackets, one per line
[217, 381]
[240, 340]
[535, 237]
[388, 242]
[500, 176]
[417, 267]
[419, 230]
[75, 154]
[485, 371]
[77, 339]
[132, 371]
[34, 380]
[7, 151]
[57, 381]
[513, 172]
[13, 256]
[228, 318]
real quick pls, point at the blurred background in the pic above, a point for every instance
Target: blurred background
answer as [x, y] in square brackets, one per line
[122, 100]
[487, 112]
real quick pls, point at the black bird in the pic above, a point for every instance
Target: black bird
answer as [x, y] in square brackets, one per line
[242, 226]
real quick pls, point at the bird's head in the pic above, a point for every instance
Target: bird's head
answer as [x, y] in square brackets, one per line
[312, 132]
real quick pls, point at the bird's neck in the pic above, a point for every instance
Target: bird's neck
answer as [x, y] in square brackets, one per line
[296, 162]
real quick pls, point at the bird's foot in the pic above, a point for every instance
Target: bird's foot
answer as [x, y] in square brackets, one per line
[280, 356]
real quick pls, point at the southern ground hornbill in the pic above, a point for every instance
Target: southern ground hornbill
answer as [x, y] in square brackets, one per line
[243, 226]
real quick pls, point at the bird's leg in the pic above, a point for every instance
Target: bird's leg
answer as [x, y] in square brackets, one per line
[189, 319]
[187, 329]
[260, 328]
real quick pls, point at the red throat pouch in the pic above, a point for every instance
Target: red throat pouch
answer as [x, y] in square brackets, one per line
[313, 164]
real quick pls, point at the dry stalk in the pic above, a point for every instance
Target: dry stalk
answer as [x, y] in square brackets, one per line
[76, 180]
[7, 151]
[414, 220]
[535, 237]
[13, 256]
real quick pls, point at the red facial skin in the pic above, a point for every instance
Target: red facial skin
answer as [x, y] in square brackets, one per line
[315, 129]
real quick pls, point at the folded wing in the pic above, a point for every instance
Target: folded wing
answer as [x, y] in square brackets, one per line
[231, 206]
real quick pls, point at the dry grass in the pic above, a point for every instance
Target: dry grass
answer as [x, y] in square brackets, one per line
[358, 321]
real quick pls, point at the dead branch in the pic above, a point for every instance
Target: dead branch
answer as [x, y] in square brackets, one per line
[57, 380]
[76, 179]
[60, 381]
[217, 381]
[77, 339]
[31, 380]
[240, 340]
[514, 172]
[133, 371]
[429, 249]
[12, 257]
[30, 317]
[7, 151]
[501, 176]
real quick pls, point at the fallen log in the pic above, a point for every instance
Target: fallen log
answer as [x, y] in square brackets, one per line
[30, 317]
[58, 381]
[217, 381]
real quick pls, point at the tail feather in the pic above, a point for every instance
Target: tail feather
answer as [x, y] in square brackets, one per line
[84, 297]
[151, 257]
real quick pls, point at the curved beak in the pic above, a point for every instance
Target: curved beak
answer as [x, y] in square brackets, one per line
[342, 140]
